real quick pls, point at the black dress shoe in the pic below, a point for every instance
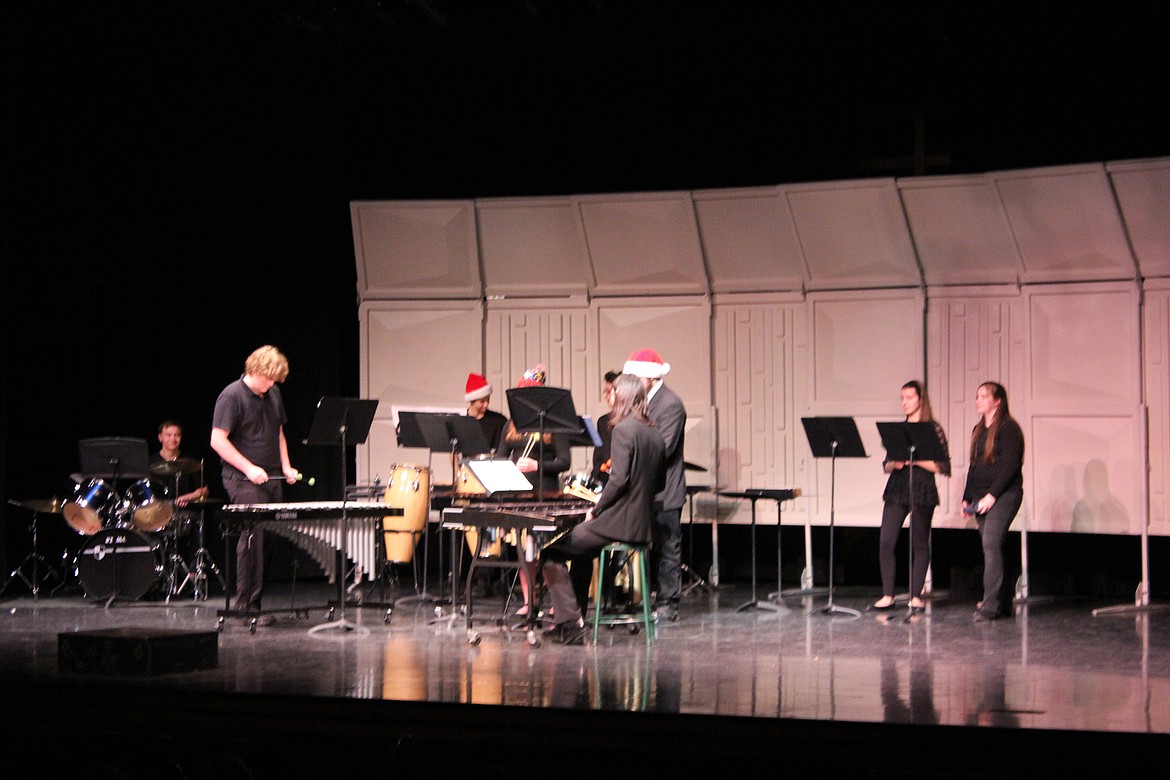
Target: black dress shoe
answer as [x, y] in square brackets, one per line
[985, 617]
[876, 608]
[566, 634]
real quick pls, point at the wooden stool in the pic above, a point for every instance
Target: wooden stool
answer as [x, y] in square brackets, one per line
[645, 620]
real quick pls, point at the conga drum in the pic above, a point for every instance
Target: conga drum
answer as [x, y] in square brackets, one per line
[408, 488]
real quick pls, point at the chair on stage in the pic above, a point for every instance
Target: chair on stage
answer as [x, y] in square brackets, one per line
[636, 557]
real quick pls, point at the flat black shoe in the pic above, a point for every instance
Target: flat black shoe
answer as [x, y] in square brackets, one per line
[876, 608]
[985, 617]
[566, 634]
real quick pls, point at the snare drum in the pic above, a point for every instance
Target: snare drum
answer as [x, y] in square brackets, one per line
[409, 487]
[92, 507]
[149, 505]
[118, 562]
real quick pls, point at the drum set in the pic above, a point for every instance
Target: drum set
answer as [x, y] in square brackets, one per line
[131, 537]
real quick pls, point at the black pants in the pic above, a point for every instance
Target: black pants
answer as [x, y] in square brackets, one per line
[892, 517]
[250, 545]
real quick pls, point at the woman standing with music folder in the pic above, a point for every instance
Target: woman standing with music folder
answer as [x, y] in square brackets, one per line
[994, 492]
[624, 510]
[898, 503]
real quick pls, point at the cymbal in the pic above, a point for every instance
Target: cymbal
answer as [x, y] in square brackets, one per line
[171, 468]
[688, 466]
[208, 501]
[52, 506]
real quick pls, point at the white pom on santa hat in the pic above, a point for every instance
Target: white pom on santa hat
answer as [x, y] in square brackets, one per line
[647, 364]
[477, 387]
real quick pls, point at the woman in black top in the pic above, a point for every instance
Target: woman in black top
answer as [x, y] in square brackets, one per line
[920, 506]
[994, 491]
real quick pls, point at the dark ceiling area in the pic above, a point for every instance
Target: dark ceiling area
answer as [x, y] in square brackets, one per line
[406, 99]
[177, 175]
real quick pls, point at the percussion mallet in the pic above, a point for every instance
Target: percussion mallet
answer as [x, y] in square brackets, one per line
[300, 478]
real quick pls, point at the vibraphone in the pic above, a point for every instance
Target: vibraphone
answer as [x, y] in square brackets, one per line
[315, 527]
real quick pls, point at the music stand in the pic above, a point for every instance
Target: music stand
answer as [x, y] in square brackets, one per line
[543, 410]
[427, 430]
[114, 457]
[833, 437]
[589, 435]
[465, 436]
[342, 422]
[911, 441]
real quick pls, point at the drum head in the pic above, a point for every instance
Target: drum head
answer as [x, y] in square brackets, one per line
[118, 562]
[150, 505]
[91, 507]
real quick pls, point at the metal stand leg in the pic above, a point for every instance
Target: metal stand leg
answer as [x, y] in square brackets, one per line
[39, 567]
[201, 563]
[687, 572]
[831, 608]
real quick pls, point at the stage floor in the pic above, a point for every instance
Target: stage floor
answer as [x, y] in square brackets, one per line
[1059, 684]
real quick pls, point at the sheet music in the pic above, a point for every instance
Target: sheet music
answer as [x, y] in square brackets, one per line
[498, 475]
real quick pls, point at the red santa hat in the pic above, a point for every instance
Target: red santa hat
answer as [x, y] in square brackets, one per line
[534, 377]
[477, 387]
[647, 364]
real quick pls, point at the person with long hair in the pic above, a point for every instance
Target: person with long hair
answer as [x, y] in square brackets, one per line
[994, 491]
[898, 503]
[624, 511]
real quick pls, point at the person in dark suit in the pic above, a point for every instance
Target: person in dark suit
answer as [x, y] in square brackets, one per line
[624, 511]
[670, 417]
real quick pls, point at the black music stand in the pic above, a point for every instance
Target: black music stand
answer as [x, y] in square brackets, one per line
[428, 430]
[912, 441]
[589, 435]
[833, 437]
[114, 457]
[342, 422]
[543, 410]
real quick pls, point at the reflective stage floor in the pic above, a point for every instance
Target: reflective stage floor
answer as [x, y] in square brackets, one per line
[406, 693]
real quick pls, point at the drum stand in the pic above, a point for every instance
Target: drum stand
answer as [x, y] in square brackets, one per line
[201, 564]
[174, 564]
[41, 569]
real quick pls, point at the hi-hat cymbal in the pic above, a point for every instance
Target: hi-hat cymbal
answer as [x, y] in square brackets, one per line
[52, 506]
[171, 468]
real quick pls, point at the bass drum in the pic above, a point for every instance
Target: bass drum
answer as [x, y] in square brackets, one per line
[92, 507]
[409, 488]
[119, 562]
[149, 505]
